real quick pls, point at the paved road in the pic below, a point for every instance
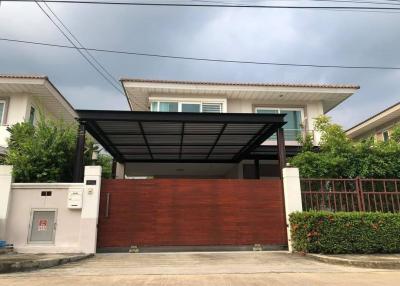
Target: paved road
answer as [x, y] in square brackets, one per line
[223, 268]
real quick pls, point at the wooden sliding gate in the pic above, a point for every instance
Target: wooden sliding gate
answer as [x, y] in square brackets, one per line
[191, 212]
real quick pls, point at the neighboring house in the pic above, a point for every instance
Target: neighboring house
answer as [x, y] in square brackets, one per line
[24, 98]
[301, 103]
[378, 126]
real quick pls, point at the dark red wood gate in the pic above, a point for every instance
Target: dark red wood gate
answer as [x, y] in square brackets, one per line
[191, 212]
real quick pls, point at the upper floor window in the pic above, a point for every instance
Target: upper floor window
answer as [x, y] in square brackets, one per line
[2, 111]
[32, 114]
[386, 135]
[293, 127]
[175, 106]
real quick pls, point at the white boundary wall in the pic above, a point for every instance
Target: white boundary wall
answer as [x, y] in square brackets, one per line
[292, 193]
[76, 229]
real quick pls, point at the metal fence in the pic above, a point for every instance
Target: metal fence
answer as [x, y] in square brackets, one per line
[372, 195]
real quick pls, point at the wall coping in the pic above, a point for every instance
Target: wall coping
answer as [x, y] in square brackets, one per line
[47, 185]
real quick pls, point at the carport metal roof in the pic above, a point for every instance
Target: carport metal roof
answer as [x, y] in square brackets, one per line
[131, 136]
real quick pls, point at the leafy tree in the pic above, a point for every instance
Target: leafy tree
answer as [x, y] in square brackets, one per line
[105, 161]
[44, 152]
[339, 157]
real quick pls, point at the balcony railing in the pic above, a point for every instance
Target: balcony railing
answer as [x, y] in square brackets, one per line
[295, 134]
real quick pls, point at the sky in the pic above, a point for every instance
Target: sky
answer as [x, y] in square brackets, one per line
[294, 36]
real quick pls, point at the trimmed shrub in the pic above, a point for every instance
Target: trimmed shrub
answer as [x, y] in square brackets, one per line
[345, 232]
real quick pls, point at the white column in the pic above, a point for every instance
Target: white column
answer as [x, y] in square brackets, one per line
[292, 191]
[6, 180]
[90, 209]
[120, 171]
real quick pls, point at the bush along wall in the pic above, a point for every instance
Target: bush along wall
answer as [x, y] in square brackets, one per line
[345, 232]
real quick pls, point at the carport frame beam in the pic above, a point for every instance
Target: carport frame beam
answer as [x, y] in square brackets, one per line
[280, 138]
[79, 163]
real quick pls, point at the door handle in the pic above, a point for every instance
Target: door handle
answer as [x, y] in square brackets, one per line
[107, 205]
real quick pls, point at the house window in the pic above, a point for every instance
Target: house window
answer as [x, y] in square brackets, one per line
[211, 107]
[175, 106]
[32, 115]
[293, 128]
[386, 136]
[164, 106]
[2, 111]
[190, 107]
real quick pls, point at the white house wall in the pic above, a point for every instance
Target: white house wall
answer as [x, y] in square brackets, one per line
[18, 110]
[15, 112]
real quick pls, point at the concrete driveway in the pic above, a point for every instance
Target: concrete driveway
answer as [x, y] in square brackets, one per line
[218, 268]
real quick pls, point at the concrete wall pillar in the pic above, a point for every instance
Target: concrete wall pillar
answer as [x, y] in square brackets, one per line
[292, 193]
[6, 180]
[90, 209]
[120, 171]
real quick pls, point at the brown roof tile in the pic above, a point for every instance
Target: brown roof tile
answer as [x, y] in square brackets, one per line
[23, 76]
[244, 84]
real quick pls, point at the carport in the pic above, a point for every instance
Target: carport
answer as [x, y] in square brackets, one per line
[186, 212]
[157, 137]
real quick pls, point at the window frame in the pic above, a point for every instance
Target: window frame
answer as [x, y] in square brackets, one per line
[4, 114]
[30, 119]
[279, 109]
[180, 101]
[383, 135]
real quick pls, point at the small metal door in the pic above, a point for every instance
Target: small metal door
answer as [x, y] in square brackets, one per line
[43, 226]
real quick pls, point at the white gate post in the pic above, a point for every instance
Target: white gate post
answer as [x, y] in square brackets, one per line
[120, 170]
[292, 191]
[6, 180]
[90, 209]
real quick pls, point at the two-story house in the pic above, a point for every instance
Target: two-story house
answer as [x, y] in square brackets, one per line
[200, 150]
[299, 103]
[25, 98]
[378, 126]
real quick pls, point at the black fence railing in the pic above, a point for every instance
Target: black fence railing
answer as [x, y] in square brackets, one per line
[372, 195]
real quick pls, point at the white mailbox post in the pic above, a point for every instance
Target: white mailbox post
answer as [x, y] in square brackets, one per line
[75, 199]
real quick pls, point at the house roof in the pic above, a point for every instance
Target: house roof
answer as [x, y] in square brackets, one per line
[243, 83]
[23, 76]
[385, 116]
[138, 91]
[137, 136]
[42, 89]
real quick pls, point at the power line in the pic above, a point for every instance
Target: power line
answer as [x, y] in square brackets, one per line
[205, 59]
[204, 5]
[392, 2]
[88, 53]
[81, 45]
[78, 49]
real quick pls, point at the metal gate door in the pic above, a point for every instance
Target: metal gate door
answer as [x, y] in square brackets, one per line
[191, 212]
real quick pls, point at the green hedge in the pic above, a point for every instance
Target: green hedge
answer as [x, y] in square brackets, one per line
[345, 232]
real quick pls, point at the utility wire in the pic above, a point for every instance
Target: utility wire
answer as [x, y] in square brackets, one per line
[93, 2]
[205, 59]
[384, 2]
[78, 49]
[81, 45]
[392, 2]
[87, 52]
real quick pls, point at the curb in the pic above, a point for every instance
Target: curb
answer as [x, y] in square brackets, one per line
[356, 263]
[30, 265]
